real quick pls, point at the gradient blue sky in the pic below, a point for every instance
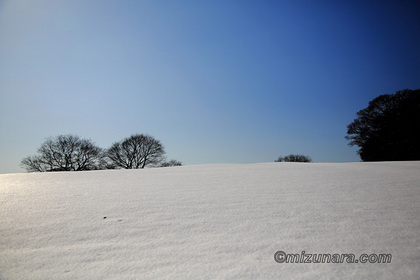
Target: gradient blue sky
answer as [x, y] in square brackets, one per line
[215, 81]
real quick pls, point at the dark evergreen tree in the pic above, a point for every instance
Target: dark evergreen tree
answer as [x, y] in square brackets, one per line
[388, 129]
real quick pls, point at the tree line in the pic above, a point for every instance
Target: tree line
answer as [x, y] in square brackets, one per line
[72, 153]
[386, 130]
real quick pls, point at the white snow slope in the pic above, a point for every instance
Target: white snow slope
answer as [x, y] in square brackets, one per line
[221, 221]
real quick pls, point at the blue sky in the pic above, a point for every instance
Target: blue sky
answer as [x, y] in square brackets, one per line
[215, 81]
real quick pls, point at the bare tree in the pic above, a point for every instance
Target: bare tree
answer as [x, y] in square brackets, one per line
[65, 153]
[34, 164]
[136, 151]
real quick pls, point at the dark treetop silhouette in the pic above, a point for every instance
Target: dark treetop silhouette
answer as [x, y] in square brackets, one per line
[388, 128]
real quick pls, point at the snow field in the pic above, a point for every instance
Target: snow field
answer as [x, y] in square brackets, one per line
[222, 221]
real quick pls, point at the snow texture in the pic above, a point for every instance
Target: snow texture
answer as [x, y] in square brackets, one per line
[222, 221]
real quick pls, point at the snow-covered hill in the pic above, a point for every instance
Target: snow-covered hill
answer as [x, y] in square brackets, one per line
[223, 221]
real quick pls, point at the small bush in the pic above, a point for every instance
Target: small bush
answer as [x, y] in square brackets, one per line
[294, 158]
[172, 162]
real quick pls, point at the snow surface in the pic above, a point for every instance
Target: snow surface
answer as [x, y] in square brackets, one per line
[222, 221]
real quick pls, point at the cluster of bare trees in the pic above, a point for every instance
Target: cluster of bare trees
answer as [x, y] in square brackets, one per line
[72, 153]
